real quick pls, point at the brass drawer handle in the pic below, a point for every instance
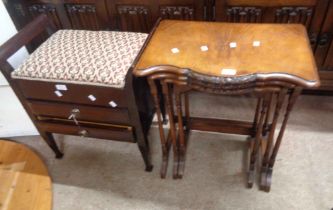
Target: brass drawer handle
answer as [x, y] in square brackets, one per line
[83, 133]
[42, 118]
[74, 114]
[75, 111]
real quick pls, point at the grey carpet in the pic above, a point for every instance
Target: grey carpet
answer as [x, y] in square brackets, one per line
[99, 174]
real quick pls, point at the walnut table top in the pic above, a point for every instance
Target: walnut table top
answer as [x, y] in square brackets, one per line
[269, 51]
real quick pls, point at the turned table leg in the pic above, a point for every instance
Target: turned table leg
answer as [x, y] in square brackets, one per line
[268, 114]
[270, 140]
[162, 102]
[182, 142]
[268, 164]
[164, 143]
[170, 109]
[256, 115]
[257, 141]
[187, 113]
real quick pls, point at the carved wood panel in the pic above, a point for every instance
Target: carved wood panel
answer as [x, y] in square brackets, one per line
[48, 9]
[134, 18]
[244, 14]
[177, 12]
[83, 16]
[324, 50]
[301, 15]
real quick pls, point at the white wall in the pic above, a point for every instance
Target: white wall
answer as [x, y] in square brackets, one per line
[7, 29]
[14, 121]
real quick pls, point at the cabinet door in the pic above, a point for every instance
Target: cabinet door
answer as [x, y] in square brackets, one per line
[310, 13]
[23, 12]
[69, 14]
[181, 10]
[324, 49]
[132, 15]
[259, 11]
[87, 14]
[35, 8]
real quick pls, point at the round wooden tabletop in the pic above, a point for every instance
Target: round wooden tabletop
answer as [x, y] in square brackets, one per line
[25, 182]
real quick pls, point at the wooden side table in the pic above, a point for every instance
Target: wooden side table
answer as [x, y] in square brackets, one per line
[25, 181]
[272, 62]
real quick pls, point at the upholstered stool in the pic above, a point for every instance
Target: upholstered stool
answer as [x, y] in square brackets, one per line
[80, 83]
[83, 57]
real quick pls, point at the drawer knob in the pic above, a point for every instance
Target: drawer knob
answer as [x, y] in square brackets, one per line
[83, 133]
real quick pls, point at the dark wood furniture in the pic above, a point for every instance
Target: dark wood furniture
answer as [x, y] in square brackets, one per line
[73, 113]
[272, 62]
[135, 15]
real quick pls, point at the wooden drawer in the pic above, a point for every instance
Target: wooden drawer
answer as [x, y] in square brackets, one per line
[109, 133]
[82, 112]
[74, 94]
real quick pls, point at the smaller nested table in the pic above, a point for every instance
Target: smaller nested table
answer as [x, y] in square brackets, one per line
[272, 62]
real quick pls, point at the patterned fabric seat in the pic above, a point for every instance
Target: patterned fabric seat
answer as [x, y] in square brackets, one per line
[83, 57]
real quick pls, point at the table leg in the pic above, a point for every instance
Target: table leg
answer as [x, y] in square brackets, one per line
[164, 143]
[170, 109]
[49, 139]
[257, 142]
[269, 164]
[187, 113]
[267, 118]
[182, 143]
[162, 103]
[256, 116]
[270, 140]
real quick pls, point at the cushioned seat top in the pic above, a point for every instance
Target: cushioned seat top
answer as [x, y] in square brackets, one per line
[83, 57]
